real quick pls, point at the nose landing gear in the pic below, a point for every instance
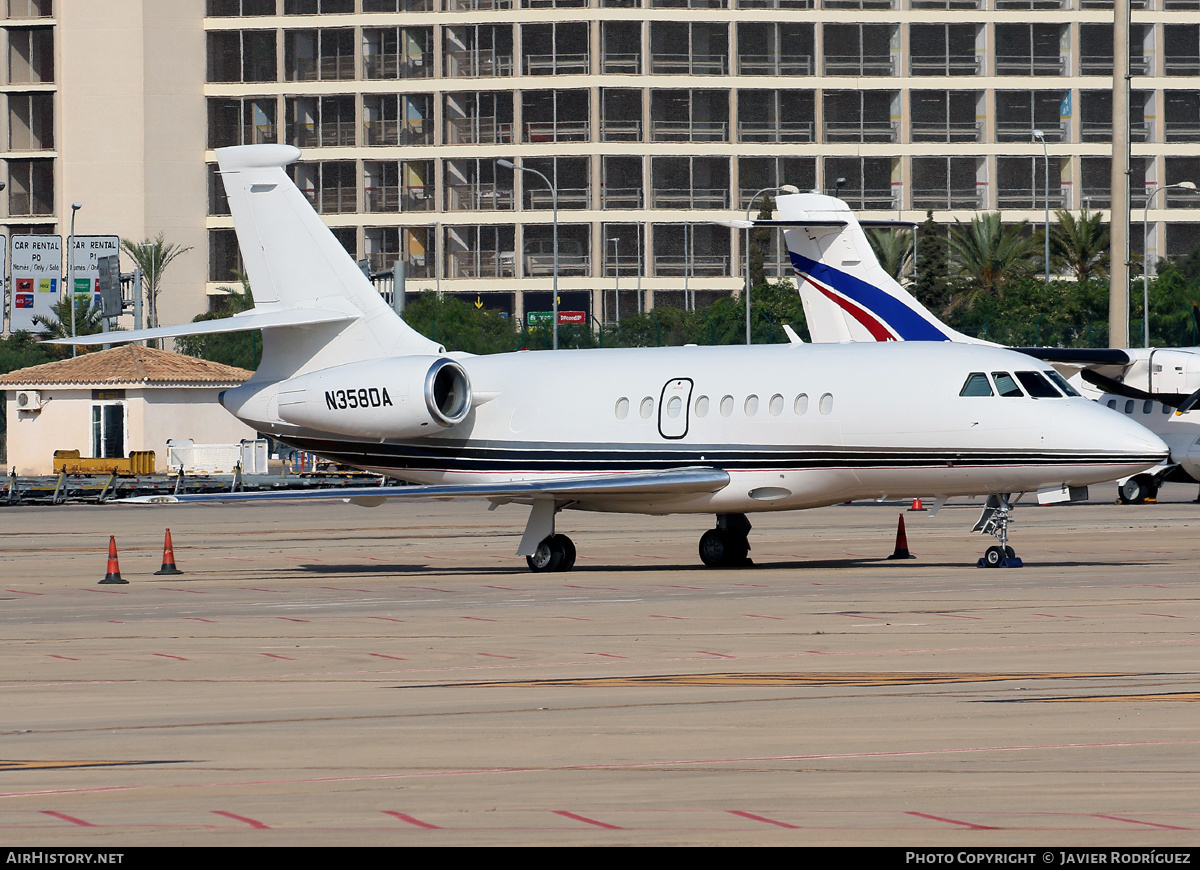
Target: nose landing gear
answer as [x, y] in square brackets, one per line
[994, 520]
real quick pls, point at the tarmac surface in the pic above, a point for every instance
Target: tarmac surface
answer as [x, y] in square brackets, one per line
[336, 675]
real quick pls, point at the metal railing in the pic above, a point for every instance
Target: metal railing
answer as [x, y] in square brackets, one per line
[617, 63]
[478, 131]
[1095, 64]
[1030, 65]
[478, 63]
[1182, 131]
[700, 267]
[568, 198]
[775, 131]
[621, 197]
[1022, 131]
[866, 199]
[857, 65]
[328, 134]
[568, 264]
[949, 65]
[337, 200]
[337, 67]
[557, 131]
[861, 131]
[417, 199]
[1181, 66]
[480, 264]
[478, 197]
[556, 64]
[392, 65]
[697, 197]
[689, 64]
[381, 198]
[242, 134]
[688, 131]
[1027, 198]
[940, 198]
[620, 130]
[947, 131]
[392, 132]
[773, 65]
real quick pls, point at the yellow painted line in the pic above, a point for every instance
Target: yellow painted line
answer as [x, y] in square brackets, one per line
[854, 679]
[1162, 696]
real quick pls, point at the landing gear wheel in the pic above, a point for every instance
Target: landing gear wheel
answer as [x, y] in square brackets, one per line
[555, 553]
[1010, 552]
[1137, 490]
[993, 556]
[720, 549]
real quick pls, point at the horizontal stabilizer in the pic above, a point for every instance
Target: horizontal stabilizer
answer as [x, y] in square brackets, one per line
[237, 323]
[674, 482]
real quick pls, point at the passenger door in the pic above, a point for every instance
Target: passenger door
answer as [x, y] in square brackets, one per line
[673, 408]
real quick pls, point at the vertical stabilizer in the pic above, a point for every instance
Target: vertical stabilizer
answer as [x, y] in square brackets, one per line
[293, 261]
[847, 295]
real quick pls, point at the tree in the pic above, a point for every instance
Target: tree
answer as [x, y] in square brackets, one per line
[152, 256]
[893, 250]
[1081, 246]
[240, 349]
[932, 285]
[88, 320]
[760, 240]
[989, 255]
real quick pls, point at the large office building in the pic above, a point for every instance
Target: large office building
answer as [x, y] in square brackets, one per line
[651, 119]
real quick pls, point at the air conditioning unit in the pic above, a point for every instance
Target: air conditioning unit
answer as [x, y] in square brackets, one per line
[29, 400]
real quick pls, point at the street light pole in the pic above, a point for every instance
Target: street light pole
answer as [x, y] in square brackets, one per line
[786, 188]
[70, 282]
[1183, 185]
[508, 164]
[1039, 136]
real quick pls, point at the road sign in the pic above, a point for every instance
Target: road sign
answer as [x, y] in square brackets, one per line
[36, 273]
[565, 318]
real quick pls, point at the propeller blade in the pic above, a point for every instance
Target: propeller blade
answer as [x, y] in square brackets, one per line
[1180, 402]
[1188, 404]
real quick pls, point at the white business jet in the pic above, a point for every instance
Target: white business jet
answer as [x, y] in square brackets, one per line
[704, 430]
[847, 296]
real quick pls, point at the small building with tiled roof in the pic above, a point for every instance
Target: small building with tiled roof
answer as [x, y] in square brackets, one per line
[110, 403]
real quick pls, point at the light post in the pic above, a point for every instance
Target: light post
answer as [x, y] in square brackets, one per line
[508, 164]
[1039, 136]
[616, 242]
[75, 206]
[1183, 185]
[786, 188]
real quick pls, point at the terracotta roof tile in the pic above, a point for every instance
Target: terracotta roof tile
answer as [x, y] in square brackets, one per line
[128, 364]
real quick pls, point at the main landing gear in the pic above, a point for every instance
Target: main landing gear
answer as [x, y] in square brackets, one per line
[555, 553]
[727, 546]
[994, 520]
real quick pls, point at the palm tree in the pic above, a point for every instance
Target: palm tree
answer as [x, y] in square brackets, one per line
[88, 319]
[152, 257]
[893, 250]
[1082, 245]
[989, 255]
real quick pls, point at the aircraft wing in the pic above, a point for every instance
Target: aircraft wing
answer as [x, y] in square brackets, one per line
[1081, 356]
[253, 319]
[649, 483]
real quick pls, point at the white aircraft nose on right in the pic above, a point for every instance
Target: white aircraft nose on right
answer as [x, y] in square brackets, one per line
[1118, 446]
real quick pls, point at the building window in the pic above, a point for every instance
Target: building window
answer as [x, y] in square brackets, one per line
[319, 55]
[30, 122]
[775, 116]
[30, 55]
[689, 116]
[397, 52]
[31, 187]
[238, 8]
[242, 56]
[322, 122]
[477, 184]
[30, 8]
[224, 256]
[479, 118]
[472, 50]
[108, 430]
[318, 7]
[241, 121]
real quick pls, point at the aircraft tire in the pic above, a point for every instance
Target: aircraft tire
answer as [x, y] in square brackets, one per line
[720, 549]
[994, 556]
[1137, 489]
[548, 556]
[568, 548]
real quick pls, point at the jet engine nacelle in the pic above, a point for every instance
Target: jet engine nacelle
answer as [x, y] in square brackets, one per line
[406, 397]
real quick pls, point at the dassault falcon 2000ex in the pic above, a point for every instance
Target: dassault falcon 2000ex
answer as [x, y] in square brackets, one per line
[848, 297]
[703, 430]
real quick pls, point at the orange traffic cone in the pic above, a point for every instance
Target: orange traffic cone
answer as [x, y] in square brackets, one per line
[916, 505]
[901, 542]
[114, 570]
[168, 565]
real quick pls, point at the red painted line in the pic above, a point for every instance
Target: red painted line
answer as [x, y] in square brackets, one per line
[386, 618]
[345, 589]
[575, 618]
[193, 591]
[291, 619]
[971, 825]
[606, 655]
[66, 818]
[251, 822]
[199, 619]
[66, 658]
[256, 589]
[22, 592]
[591, 588]
[670, 586]
[275, 656]
[386, 656]
[717, 654]
[1164, 615]
[1139, 822]
[757, 818]
[861, 616]
[496, 656]
[661, 616]
[752, 585]
[816, 652]
[502, 588]
[957, 616]
[480, 619]
[405, 817]
[166, 656]
[428, 589]
[761, 616]
[586, 820]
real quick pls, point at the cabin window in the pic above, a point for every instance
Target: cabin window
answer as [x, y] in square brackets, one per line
[1129, 406]
[1112, 403]
[826, 404]
[647, 408]
[751, 405]
[977, 385]
[1166, 410]
[1148, 406]
[622, 408]
[674, 406]
[801, 405]
[776, 405]
[726, 406]
[1005, 385]
[702, 406]
[1062, 383]
[1037, 386]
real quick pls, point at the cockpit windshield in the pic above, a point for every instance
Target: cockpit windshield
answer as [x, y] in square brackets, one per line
[1037, 386]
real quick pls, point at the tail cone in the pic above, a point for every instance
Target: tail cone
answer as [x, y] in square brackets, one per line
[114, 570]
[901, 542]
[168, 565]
